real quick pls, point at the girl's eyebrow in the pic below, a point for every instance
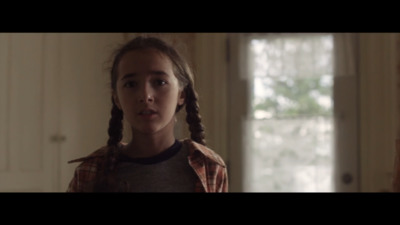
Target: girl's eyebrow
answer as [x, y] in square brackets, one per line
[152, 72]
[129, 75]
[158, 72]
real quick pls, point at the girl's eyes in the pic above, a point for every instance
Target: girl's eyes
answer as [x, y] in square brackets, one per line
[131, 84]
[160, 82]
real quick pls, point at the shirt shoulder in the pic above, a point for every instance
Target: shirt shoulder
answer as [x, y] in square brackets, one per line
[86, 171]
[99, 153]
[205, 151]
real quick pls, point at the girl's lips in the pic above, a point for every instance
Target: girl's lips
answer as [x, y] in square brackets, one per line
[147, 114]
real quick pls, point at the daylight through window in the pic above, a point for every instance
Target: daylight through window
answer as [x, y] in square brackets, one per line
[290, 130]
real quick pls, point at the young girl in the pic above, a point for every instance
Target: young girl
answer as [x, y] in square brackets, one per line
[150, 83]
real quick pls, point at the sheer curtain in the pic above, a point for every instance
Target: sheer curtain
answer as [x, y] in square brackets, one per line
[296, 55]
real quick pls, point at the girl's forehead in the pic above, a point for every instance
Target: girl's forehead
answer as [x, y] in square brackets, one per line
[144, 57]
[144, 61]
[147, 53]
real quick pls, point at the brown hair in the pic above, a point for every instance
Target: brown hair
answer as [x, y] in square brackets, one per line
[184, 75]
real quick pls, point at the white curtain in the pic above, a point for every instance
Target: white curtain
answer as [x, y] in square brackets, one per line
[289, 54]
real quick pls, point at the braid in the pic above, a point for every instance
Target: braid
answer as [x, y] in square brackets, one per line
[115, 135]
[105, 180]
[115, 126]
[193, 117]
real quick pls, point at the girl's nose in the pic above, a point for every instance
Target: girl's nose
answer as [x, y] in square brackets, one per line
[146, 95]
[146, 98]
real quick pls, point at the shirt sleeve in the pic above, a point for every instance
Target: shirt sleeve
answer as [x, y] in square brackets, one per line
[73, 184]
[83, 179]
[223, 187]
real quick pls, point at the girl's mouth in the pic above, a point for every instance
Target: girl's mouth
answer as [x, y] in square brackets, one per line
[147, 113]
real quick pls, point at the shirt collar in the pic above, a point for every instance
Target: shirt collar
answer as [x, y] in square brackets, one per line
[205, 151]
[193, 147]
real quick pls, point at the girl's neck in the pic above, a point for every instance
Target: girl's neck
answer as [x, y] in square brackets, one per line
[144, 145]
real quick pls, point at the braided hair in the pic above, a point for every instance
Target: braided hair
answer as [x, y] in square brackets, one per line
[184, 75]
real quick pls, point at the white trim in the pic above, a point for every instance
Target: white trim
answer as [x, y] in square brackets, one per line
[237, 114]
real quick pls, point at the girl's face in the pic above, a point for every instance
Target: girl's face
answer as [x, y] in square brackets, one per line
[147, 91]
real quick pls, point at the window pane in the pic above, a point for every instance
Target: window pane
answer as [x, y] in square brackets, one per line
[288, 96]
[291, 155]
[290, 128]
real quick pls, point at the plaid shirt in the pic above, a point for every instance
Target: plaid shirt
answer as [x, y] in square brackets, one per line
[209, 167]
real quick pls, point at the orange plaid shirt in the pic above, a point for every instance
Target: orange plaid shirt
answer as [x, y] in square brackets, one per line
[208, 165]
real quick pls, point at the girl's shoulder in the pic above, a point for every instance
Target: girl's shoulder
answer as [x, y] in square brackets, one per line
[204, 150]
[96, 155]
[86, 171]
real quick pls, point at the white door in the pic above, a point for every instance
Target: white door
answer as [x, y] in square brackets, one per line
[27, 113]
[54, 104]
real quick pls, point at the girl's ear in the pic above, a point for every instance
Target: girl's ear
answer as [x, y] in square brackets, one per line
[116, 100]
[182, 97]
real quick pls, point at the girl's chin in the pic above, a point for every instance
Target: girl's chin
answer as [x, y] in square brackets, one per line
[148, 131]
[151, 130]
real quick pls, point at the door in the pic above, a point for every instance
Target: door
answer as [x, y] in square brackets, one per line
[28, 112]
[54, 105]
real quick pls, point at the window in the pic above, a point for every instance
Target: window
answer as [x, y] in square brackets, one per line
[289, 126]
